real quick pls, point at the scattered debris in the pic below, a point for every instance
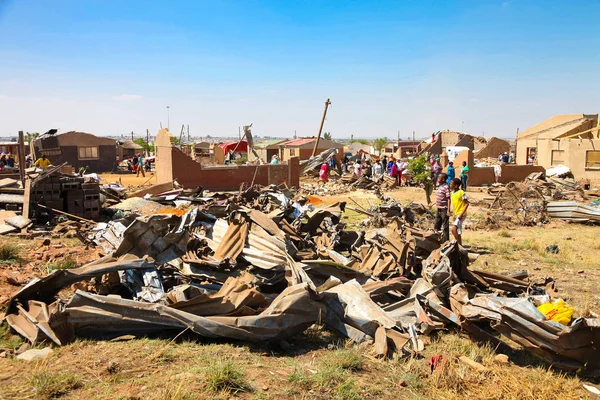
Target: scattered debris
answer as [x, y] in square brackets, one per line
[257, 265]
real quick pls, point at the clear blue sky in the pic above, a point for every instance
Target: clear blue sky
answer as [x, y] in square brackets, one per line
[110, 67]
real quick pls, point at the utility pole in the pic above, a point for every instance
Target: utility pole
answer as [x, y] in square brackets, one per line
[168, 118]
[398, 135]
[327, 103]
[239, 133]
[132, 136]
[295, 136]
[188, 129]
[413, 136]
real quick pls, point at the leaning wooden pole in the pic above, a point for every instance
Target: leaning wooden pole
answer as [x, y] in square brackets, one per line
[327, 103]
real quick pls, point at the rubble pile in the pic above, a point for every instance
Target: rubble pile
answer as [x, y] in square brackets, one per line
[347, 183]
[527, 203]
[259, 266]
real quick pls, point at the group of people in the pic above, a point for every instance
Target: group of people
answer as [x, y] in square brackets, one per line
[437, 170]
[450, 196]
[374, 169]
[506, 158]
[137, 165]
[7, 161]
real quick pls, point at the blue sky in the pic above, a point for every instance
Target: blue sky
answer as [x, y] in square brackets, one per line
[111, 67]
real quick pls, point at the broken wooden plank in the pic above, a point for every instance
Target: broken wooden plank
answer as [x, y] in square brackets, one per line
[473, 364]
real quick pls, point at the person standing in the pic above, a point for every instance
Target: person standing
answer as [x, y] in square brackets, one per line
[376, 170]
[140, 165]
[460, 204]
[345, 164]
[275, 159]
[388, 167]
[442, 204]
[436, 169]
[42, 162]
[10, 161]
[384, 163]
[450, 172]
[464, 175]
[358, 168]
[497, 172]
[324, 173]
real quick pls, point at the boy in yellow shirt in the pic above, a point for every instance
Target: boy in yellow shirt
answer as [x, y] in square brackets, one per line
[460, 205]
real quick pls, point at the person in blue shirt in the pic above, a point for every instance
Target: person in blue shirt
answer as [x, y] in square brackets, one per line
[450, 172]
[389, 165]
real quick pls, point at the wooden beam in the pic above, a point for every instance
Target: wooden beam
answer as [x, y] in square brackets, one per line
[572, 135]
[327, 103]
[26, 198]
[22, 157]
[65, 213]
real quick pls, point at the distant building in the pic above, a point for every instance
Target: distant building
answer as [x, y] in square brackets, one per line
[79, 149]
[303, 148]
[266, 149]
[128, 149]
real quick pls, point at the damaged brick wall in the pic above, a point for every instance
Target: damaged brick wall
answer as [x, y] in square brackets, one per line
[173, 164]
[494, 148]
[510, 173]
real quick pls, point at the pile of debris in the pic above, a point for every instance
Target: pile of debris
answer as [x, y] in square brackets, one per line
[258, 266]
[349, 182]
[528, 203]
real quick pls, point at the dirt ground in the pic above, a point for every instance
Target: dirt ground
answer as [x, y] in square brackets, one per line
[129, 179]
[315, 364]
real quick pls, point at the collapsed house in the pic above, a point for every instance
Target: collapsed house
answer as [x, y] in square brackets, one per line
[570, 139]
[303, 148]
[493, 148]
[174, 165]
[259, 266]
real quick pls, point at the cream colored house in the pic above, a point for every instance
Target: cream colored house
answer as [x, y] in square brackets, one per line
[567, 139]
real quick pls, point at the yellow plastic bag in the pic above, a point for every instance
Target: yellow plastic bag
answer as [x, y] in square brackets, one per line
[558, 311]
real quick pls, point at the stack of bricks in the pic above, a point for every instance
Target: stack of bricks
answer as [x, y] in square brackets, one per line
[70, 194]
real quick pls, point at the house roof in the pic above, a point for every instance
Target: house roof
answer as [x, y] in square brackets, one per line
[130, 144]
[83, 139]
[297, 142]
[323, 143]
[556, 126]
[229, 146]
[266, 143]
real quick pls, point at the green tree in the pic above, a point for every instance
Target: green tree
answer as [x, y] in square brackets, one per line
[419, 170]
[327, 135]
[175, 140]
[379, 144]
[147, 146]
[29, 136]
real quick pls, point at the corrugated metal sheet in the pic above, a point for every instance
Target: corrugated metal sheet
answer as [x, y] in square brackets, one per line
[573, 211]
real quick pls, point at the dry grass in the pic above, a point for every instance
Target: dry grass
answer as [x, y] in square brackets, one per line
[574, 268]
[51, 385]
[65, 263]
[9, 253]
[226, 376]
